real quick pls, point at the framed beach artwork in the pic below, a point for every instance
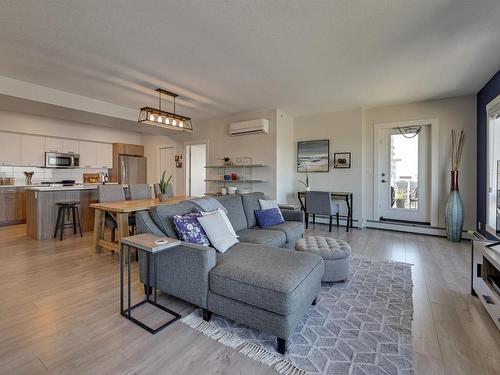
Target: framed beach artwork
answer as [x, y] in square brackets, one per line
[313, 156]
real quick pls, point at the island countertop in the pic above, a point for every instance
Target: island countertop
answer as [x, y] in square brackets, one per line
[43, 188]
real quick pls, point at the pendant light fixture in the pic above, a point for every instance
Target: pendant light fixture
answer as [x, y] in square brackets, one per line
[164, 119]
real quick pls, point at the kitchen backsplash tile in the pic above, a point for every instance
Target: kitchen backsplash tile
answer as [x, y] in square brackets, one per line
[47, 174]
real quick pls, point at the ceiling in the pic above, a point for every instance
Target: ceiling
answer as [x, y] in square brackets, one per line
[225, 57]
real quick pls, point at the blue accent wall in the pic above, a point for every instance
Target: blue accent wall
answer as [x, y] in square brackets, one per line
[489, 92]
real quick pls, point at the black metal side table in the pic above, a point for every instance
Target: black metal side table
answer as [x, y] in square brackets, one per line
[143, 243]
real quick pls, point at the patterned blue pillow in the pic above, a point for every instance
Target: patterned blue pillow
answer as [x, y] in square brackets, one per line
[269, 217]
[189, 229]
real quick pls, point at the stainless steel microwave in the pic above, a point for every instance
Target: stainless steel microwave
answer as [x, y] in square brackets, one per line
[60, 160]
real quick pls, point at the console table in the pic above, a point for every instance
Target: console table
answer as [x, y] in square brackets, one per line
[346, 196]
[145, 243]
[485, 276]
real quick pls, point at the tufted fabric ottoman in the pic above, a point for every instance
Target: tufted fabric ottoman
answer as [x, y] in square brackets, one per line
[335, 253]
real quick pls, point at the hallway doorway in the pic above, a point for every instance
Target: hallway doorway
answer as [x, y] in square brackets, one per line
[196, 157]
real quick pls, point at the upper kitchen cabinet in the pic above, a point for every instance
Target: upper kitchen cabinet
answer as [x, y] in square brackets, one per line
[104, 155]
[88, 154]
[53, 144]
[70, 146]
[10, 148]
[32, 150]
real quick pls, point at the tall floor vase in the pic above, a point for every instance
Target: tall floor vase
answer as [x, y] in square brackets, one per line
[454, 211]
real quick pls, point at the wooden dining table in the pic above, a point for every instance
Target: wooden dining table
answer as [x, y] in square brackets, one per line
[120, 212]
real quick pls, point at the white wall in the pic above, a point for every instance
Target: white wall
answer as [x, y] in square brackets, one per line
[452, 113]
[344, 130]
[285, 158]
[261, 147]
[31, 124]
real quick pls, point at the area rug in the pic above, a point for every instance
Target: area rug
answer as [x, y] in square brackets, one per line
[358, 327]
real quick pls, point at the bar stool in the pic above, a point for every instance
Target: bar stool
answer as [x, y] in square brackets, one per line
[65, 209]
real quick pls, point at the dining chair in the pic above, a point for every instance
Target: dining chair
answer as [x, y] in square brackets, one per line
[320, 203]
[139, 191]
[110, 193]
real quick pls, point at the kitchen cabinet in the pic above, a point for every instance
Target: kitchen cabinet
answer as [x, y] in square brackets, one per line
[32, 150]
[12, 206]
[10, 148]
[104, 155]
[88, 154]
[71, 146]
[53, 144]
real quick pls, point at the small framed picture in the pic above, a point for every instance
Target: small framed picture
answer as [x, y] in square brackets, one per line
[178, 158]
[178, 164]
[342, 160]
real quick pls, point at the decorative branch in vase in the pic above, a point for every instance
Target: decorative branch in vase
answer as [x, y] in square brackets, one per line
[306, 183]
[454, 208]
[165, 187]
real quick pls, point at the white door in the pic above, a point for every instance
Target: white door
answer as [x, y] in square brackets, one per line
[404, 175]
[167, 164]
[196, 172]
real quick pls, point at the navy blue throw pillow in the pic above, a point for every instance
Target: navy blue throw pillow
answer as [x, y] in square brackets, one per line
[269, 217]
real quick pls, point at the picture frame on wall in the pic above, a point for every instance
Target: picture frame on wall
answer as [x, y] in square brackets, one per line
[342, 160]
[313, 156]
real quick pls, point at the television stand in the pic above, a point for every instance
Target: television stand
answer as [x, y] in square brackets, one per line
[485, 276]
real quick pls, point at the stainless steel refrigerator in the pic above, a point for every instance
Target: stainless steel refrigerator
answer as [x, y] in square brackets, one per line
[132, 169]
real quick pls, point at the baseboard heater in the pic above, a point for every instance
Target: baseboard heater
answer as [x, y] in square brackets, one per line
[404, 221]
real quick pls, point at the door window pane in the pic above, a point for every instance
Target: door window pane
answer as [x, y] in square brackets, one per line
[404, 171]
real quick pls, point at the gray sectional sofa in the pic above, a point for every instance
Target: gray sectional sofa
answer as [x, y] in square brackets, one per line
[259, 281]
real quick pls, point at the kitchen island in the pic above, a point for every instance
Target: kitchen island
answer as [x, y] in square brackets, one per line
[41, 208]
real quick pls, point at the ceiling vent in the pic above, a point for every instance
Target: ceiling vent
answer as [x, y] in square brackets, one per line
[258, 126]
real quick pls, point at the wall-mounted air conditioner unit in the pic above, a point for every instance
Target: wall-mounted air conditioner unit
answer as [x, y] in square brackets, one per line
[260, 125]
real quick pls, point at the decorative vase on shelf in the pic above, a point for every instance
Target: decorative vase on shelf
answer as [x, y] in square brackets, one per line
[454, 211]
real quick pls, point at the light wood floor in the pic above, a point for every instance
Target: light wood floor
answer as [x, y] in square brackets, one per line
[59, 312]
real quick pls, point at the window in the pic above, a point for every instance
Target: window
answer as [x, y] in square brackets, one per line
[493, 168]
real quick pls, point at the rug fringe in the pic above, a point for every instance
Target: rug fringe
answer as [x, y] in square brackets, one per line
[256, 352]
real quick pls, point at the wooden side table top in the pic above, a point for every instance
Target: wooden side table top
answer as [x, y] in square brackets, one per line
[146, 242]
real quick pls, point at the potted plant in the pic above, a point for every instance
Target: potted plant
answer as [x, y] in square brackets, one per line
[164, 187]
[306, 183]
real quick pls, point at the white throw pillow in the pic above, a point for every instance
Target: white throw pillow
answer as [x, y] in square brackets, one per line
[218, 232]
[266, 204]
[226, 219]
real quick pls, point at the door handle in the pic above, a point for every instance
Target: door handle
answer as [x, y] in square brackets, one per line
[383, 181]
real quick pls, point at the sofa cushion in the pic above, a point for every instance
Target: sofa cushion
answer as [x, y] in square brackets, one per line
[235, 212]
[293, 230]
[218, 230]
[189, 229]
[274, 279]
[268, 218]
[250, 205]
[163, 216]
[262, 236]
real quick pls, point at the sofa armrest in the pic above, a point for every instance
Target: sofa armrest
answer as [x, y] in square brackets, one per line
[293, 215]
[183, 271]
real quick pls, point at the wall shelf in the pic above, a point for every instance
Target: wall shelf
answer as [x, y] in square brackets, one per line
[236, 166]
[244, 169]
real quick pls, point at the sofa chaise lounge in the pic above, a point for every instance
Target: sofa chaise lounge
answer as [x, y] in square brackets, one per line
[259, 281]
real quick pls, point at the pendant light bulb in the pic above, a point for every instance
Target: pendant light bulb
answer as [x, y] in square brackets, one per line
[174, 123]
[160, 119]
[167, 120]
[151, 117]
[181, 124]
